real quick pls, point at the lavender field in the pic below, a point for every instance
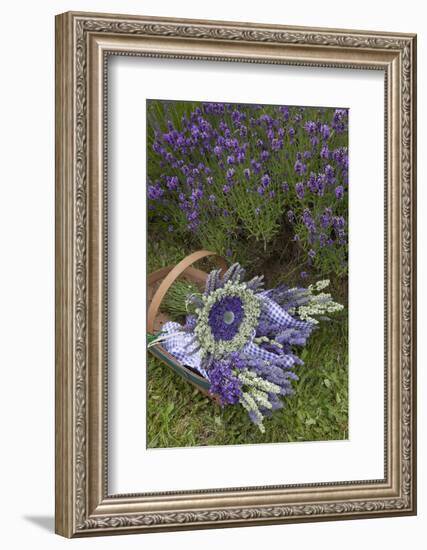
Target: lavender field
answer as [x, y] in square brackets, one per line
[265, 186]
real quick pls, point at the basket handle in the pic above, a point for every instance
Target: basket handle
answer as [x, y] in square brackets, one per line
[172, 273]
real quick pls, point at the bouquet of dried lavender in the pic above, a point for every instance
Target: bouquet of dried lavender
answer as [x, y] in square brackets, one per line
[243, 339]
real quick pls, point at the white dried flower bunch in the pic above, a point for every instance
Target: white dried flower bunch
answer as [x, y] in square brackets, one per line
[318, 304]
[256, 394]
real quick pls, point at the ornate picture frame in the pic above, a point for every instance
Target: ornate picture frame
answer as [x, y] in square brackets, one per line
[84, 42]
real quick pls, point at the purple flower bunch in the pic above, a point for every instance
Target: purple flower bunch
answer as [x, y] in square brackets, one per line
[243, 339]
[232, 176]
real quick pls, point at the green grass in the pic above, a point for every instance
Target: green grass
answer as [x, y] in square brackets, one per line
[180, 416]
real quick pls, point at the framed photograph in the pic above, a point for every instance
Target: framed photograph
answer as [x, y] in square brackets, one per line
[235, 274]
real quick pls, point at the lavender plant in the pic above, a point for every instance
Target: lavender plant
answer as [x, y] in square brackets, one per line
[221, 174]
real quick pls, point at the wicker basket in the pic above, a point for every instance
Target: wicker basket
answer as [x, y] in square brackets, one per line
[159, 283]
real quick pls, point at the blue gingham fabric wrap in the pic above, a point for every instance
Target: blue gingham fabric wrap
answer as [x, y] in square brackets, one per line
[181, 344]
[276, 315]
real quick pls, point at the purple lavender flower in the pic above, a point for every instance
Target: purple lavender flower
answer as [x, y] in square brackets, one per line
[329, 173]
[218, 150]
[300, 168]
[224, 383]
[236, 117]
[285, 112]
[172, 182]
[154, 192]
[299, 189]
[324, 152]
[195, 132]
[312, 182]
[308, 221]
[310, 127]
[341, 157]
[339, 192]
[256, 166]
[230, 173]
[243, 131]
[157, 148]
[240, 157]
[326, 218]
[265, 118]
[276, 144]
[325, 131]
[265, 180]
[196, 194]
[339, 120]
[338, 222]
[254, 417]
[231, 144]
[321, 184]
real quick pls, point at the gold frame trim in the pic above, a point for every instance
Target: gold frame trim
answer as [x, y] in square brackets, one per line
[83, 43]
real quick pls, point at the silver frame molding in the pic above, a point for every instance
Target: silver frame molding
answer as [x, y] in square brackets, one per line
[84, 42]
